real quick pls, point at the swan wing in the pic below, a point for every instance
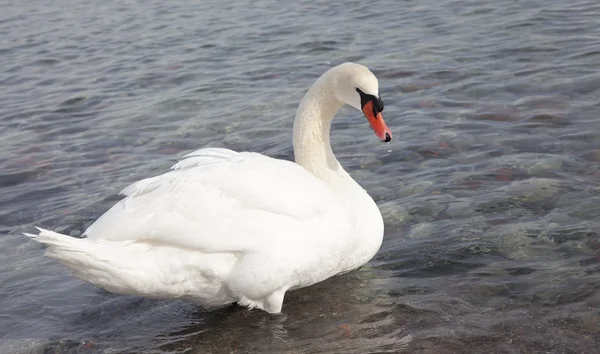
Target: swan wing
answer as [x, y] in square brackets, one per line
[218, 200]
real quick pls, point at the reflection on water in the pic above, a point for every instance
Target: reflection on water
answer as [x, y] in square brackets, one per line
[490, 190]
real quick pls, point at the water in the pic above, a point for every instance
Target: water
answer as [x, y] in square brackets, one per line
[490, 189]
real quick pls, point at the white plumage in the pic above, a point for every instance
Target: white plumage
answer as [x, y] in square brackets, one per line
[225, 226]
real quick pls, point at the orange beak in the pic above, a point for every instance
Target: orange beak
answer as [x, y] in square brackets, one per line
[377, 123]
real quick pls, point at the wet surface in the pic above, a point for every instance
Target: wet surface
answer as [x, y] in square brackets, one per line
[490, 190]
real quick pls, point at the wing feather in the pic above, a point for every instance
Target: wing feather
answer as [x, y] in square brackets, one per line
[218, 200]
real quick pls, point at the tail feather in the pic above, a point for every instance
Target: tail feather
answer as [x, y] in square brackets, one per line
[137, 268]
[98, 263]
[58, 241]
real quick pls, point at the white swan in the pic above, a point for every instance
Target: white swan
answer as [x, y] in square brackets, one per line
[225, 227]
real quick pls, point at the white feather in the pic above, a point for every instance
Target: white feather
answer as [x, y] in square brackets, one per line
[225, 227]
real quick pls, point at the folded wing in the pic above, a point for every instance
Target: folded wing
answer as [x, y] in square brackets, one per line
[218, 200]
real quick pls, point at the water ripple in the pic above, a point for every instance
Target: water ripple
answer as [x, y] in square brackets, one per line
[490, 193]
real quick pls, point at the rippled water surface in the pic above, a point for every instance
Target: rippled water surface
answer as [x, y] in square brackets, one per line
[490, 190]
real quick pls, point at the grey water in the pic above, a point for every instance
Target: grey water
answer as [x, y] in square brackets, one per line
[490, 190]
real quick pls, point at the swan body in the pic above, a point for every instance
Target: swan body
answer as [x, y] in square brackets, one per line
[239, 227]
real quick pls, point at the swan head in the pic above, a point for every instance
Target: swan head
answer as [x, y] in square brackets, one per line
[357, 86]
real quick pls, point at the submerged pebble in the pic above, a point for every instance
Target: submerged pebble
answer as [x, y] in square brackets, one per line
[534, 190]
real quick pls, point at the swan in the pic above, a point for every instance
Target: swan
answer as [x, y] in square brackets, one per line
[224, 227]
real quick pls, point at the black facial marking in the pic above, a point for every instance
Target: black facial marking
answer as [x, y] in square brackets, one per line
[377, 101]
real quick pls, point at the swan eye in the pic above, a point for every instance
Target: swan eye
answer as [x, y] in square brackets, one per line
[366, 98]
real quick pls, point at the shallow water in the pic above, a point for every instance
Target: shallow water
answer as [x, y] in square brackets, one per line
[490, 190]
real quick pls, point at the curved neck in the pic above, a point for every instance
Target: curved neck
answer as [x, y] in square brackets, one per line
[312, 148]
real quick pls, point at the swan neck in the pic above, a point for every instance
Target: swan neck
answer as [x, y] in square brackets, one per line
[312, 147]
